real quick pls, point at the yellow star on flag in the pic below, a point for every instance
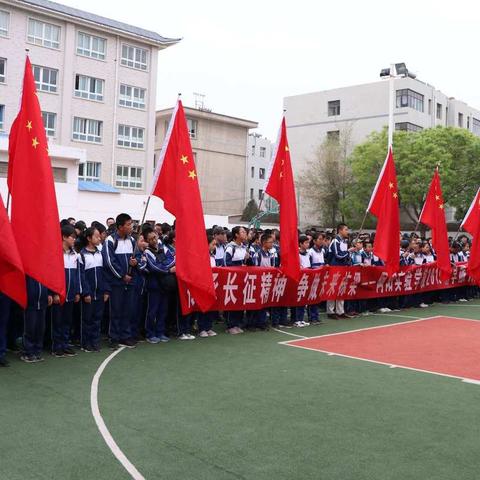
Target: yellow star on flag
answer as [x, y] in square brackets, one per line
[192, 174]
[35, 142]
[29, 125]
[184, 159]
[441, 206]
[437, 197]
[390, 185]
[281, 174]
[286, 148]
[395, 195]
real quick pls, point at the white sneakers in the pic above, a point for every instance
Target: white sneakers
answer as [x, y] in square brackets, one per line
[385, 310]
[186, 336]
[423, 305]
[205, 334]
[301, 324]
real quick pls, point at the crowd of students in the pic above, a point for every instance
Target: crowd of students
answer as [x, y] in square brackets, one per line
[121, 286]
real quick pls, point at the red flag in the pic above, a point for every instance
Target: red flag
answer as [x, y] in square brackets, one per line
[471, 224]
[12, 276]
[34, 204]
[176, 184]
[280, 186]
[384, 205]
[433, 215]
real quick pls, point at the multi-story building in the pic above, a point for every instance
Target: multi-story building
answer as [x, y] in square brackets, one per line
[219, 144]
[259, 150]
[362, 109]
[96, 80]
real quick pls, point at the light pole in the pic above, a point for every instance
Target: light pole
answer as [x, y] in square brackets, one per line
[396, 70]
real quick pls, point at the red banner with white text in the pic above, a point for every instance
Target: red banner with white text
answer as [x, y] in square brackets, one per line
[254, 288]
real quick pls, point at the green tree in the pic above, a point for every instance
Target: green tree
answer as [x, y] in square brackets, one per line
[250, 211]
[455, 150]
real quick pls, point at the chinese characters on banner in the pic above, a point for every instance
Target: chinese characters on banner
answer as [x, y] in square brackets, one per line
[253, 288]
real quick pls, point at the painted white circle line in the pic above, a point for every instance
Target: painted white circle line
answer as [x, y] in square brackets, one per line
[112, 445]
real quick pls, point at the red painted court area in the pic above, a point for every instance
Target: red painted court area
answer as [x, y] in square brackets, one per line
[440, 345]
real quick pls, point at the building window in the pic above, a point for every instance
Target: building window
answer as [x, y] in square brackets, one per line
[263, 152]
[260, 194]
[59, 174]
[334, 108]
[333, 136]
[49, 120]
[131, 137]
[89, 171]
[133, 97]
[87, 130]
[468, 123]
[43, 34]
[439, 111]
[2, 117]
[91, 46]
[476, 126]
[129, 177]
[460, 120]
[252, 169]
[3, 69]
[89, 87]
[261, 173]
[192, 126]
[45, 78]
[253, 150]
[408, 127]
[251, 192]
[4, 21]
[409, 98]
[429, 107]
[134, 57]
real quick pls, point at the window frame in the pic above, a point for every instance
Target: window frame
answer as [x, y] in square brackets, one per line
[129, 101]
[130, 141]
[3, 77]
[408, 98]
[77, 136]
[334, 108]
[90, 52]
[51, 88]
[129, 178]
[192, 132]
[47, 128]
[2, 117]
[32, 39]
[88, 176]
[132, 63]
[6, 32]
[88, 94]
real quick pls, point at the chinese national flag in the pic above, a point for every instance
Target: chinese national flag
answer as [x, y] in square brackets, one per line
[12, 276]
[471, 224]
[280, 186]
[31, 185]
[433, 215]
[384, 205]
[176, 184]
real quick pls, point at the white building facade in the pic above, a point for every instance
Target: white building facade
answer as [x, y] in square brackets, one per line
[96, 80]
[362, 109]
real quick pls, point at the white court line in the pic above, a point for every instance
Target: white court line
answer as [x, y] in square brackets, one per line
[464, 304]
[112, 445]
[391, 365]
[395, 315]
[288, 333]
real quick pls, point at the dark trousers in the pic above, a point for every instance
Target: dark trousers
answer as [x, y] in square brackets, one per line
[234, 318]
[157, 310]
[184, 323]
[92, 314]
[62, 319]
[121, 309]
[279, 316]
[138, 312]
[205, 321]
[261, 318]
[33, 331]
[4, 319]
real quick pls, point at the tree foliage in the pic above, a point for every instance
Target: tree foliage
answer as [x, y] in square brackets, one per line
[455, 150]
[250, 211]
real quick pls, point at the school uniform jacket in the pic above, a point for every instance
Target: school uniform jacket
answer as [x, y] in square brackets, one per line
[157, 265]
[317, 257]
[92, 274]
[116, 256]
[264, 259]
[72, 275]
[305, 260]
[235, 255]
[338, 252]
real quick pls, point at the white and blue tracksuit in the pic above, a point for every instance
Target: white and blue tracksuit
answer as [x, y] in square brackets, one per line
[279, 314]
[62, 315]
[157, 266]
[317, 260]
[220, 255]
[205, 319]
[95, 286]
[235, 257]
[339, 256]
[34, 318]
[4, 318]
[304, 263]
[117, 253]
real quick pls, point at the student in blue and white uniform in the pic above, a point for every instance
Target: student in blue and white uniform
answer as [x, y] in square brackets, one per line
[338, 256]
[95, 290]
[236, 255]
[38, 299]
[205, 319]
[62, 315]
[279, 315]
[303, 246]
[120, 265]
[220, 237]
[317, 260]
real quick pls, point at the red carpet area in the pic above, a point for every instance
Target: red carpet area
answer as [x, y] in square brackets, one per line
[440, 345]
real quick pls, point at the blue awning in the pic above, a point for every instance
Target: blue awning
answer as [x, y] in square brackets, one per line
[85, 186]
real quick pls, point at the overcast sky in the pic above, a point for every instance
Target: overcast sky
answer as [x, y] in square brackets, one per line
[245, 56]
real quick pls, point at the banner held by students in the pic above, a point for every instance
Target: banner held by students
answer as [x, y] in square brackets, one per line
[471, 224]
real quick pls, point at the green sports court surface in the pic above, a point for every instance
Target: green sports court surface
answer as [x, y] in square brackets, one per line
[264, 405]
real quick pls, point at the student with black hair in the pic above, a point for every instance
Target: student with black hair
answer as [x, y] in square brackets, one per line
[236, 255]
[279, 314]
[120, 265]
[317, 260]
[102, 230]
[220, 237]
[303, 246]
[62, 315]
[95, 290]
[38, 299]
[205, 319]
